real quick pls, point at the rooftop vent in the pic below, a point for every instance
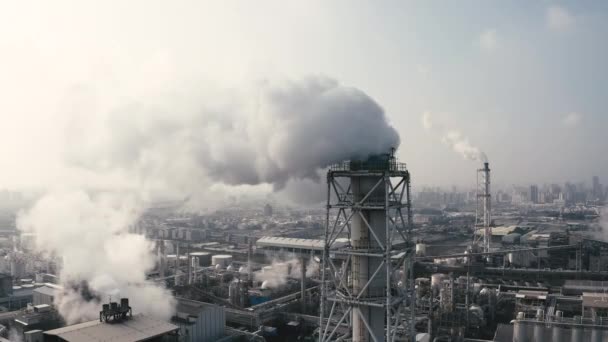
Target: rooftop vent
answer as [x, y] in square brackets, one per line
[113, 312]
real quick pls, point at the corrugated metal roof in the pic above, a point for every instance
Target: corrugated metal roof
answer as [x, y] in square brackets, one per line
[282, 242]
[139, 328]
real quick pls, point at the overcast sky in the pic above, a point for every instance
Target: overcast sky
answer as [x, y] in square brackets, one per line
[524, 81]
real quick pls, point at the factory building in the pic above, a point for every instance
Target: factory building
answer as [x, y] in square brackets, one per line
[198, 321]
[297, 246]
[138, 328]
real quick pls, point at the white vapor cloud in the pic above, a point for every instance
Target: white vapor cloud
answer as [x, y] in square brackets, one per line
[194, 141]
[572, 119]
[559, 18]
[488, 40]
[90, 233]
[453, 139]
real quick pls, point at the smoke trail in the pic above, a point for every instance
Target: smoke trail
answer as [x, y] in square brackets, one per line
[454, 139]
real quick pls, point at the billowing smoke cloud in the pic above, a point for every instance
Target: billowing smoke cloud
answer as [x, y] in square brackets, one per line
[90, 233]
[271, 134]
[195, 142]
[453, 139]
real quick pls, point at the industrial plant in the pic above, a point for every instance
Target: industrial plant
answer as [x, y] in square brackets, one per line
[372, 266]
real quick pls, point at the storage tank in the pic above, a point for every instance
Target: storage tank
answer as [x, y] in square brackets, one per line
[420, 249]
[539, 328]
[577, 330]
[221, 259]
[203, 259]
[519, 329]
[234, 293]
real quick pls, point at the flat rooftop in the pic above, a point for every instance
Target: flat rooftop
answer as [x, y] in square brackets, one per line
[138, 328]
[283, 242]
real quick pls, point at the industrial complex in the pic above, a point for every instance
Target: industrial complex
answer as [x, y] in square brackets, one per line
[373, 265]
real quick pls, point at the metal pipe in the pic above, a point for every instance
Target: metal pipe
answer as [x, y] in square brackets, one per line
[303, 284]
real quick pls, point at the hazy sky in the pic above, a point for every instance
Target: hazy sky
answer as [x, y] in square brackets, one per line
[525, 81]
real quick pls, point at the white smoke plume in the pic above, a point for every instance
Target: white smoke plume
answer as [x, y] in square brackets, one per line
[602, 234]
[454, 139]
[280, 271]
[270, 134]
[90, 233]
[182, 142]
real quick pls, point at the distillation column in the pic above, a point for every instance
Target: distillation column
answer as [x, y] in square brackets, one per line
[363, 267]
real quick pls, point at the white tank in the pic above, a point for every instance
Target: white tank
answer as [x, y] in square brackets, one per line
[224, 260]
[519, 329]
[243, 270]
[230, 268]
[420, 249]
[265, 285]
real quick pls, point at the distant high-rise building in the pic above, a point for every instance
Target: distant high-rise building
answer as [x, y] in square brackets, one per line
[268, 210]
[598, 191]
[534, 194]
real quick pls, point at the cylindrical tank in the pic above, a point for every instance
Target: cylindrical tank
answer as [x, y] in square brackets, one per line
[221, 259]
[234, 290]
[519, 329]
[557, 333]
[203, 258]
[539, 327]
[577, 330]
[420, 249]
[596, 332]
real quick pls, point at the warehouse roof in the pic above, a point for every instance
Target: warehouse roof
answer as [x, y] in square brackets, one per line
[138, 328]
[282, 242]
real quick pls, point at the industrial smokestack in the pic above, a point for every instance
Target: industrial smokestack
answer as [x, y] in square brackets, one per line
[371, 198]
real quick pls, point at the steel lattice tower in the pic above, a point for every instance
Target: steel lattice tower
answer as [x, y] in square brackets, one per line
[363, 289]
[483, 215]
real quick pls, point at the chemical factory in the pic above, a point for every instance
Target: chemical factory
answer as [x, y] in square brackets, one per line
[369, 267]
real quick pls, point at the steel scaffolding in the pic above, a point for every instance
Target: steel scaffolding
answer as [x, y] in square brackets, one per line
[368, 286]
